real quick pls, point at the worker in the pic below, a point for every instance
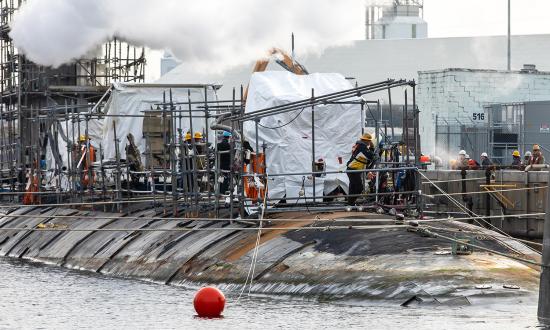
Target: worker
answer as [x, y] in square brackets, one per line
[537, 158]
[461, 161]
[85, 158]
[453, 164]
[224, 163]
[362, 156]
[187, 138]
[438, 162]
[485, 161]
[199, 143]
[133, 158]
[527, 158]
[472, 163]
[424, 161]
[200, 160]
[516, 160]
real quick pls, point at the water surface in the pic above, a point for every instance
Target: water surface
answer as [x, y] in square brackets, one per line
[44, 297]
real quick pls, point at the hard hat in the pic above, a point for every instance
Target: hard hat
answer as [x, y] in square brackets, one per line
[187, 136]
[528, 154]
[467, 156]
[516, 153]
[82, 138]
[536, 147]
[484, 154]
[198, 135]
[462, 152]
[226, 134]
[366, 137]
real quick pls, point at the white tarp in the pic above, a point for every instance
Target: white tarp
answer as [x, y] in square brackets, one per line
[288, 139]
[134, 99]
[70, 131]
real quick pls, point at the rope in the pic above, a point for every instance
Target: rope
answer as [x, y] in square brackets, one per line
[463, 208]
[486, 191]
[455, 180]
[484, 234]
[258, 238]
[252, 267]
[486, 249]
[352, 220]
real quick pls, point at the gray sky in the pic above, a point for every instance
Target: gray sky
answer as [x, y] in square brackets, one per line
[458, 18]
[452, 18]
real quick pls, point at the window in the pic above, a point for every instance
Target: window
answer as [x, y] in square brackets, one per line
[414, 31]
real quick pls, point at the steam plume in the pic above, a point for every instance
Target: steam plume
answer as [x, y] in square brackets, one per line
[209, 34]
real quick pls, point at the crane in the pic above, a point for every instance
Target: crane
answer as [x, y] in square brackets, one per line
[283, 59]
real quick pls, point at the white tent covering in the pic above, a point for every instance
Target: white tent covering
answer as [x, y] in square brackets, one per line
[70, 131]
[133, 99]
[288, 142]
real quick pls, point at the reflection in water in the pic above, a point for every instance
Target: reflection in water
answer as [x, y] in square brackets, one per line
[37, 296]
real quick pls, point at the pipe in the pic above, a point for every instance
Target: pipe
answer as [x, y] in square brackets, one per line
[218, 126]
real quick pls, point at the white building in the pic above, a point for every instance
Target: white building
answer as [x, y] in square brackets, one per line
[459, 96]
[167, 63]
[402, 20]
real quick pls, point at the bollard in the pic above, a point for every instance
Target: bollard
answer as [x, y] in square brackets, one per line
[544, 288]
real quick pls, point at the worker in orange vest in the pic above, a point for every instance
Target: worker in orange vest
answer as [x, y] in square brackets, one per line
[87, 158]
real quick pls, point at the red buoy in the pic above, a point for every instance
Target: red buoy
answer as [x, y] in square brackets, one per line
[209, 302]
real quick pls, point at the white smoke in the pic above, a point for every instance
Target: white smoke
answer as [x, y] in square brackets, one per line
[210, 34]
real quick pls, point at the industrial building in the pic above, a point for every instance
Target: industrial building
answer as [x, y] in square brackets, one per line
[483, 111]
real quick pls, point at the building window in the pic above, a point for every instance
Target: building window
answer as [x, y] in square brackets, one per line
[413, 31]
[384, 31]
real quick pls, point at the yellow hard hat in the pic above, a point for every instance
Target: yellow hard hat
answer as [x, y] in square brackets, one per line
[366, 137]
[516, 153]
[82, 138]
[198, 135]
[187, 136]
[536, 147]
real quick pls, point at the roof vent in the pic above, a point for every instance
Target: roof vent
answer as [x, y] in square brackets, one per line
[529, 68]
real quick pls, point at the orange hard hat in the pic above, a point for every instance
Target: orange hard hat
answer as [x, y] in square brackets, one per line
[366, 137]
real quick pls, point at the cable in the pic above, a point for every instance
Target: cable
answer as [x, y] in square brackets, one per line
[459, 205]
[281, 126]
[485, 249]
[252, 267]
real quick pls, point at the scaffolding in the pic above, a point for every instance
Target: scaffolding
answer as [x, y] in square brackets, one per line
[26, 89]
[184, 176]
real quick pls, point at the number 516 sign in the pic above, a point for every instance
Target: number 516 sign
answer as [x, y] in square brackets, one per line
[478, 116]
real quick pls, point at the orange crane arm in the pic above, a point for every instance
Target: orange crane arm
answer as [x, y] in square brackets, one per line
[283, 59]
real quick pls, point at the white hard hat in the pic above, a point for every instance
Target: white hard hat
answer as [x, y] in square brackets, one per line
[528, 153]
[484, 154]
[462, 152]
[467, 156]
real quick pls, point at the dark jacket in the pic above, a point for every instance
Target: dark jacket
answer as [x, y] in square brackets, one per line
[516, 163]
[486, 162]
[225, 158]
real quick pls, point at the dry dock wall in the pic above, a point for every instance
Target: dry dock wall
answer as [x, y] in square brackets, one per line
[517, 192]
